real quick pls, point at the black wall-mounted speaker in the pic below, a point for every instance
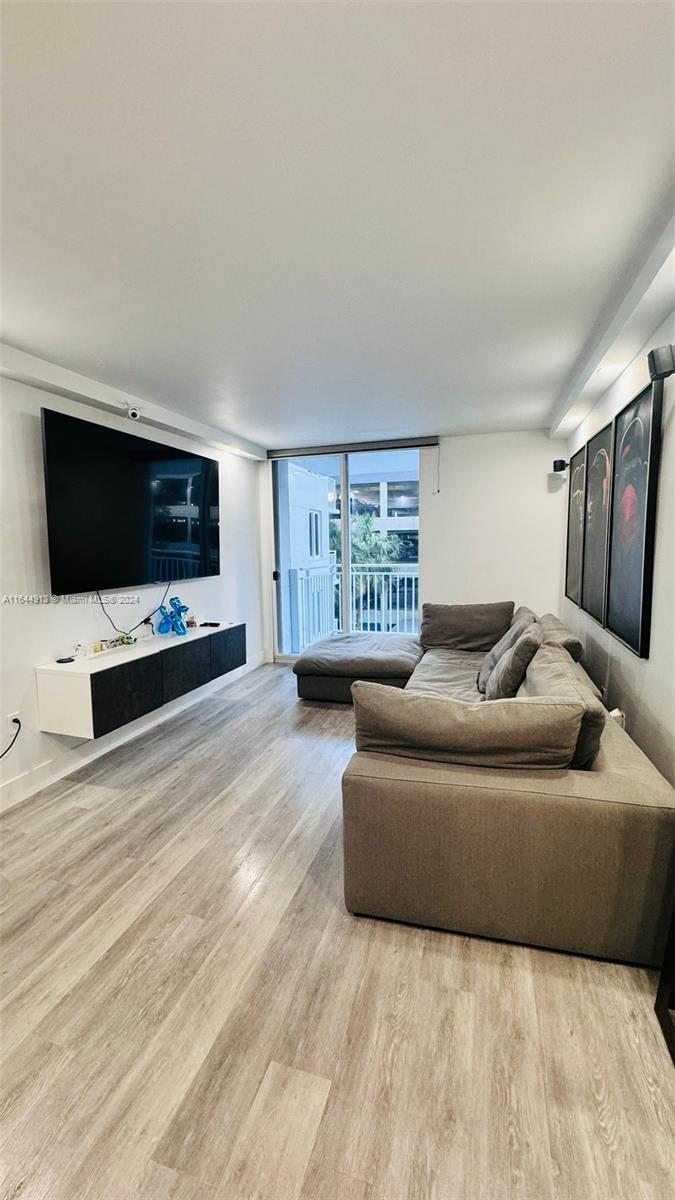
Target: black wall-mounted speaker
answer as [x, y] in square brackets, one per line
[559, 464]
[661, 362]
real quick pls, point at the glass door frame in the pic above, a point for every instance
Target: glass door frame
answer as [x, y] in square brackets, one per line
[345, 545]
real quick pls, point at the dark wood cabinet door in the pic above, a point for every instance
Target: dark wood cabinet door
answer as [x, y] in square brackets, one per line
[121, 694]
[187, 665]
[228, 650]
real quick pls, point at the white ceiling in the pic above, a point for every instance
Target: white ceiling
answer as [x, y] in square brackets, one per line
[329, 222]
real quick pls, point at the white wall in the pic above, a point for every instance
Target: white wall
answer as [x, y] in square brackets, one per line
[643, 688]
[37, 633]
[494, 530]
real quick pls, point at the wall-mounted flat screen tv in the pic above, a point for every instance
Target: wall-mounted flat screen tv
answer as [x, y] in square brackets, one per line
[123, 511]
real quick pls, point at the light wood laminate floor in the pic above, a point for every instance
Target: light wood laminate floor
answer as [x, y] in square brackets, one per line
[189, 1013]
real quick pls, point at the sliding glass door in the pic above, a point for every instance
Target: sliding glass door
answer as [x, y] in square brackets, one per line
[308, 544]
[362, 574]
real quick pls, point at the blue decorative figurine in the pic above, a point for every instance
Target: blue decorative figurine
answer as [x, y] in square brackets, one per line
[166, 620]
[178, 608]
[172, 621]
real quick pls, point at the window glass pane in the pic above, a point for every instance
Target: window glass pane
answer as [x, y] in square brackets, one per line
[383, 529]
[307, 539]
[315, 534]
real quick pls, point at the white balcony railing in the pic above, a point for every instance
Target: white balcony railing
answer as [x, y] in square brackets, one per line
[382, 596]
[385, 597]
[313, 605]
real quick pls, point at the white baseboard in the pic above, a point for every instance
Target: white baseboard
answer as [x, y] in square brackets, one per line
[45, 773]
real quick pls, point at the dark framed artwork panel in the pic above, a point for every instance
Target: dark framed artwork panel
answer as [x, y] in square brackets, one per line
[575, 526]
[637, 438]
[596, 523]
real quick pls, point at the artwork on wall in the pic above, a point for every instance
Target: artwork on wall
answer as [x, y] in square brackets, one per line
[596, 523]
[611, 513]
[637, 434]
[575, 525]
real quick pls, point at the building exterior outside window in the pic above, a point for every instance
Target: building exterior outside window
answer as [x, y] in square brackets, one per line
[403, 499]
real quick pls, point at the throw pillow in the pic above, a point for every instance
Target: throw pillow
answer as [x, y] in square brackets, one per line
[522, 619]
[553, 673]
[557, 634]
[509, 672]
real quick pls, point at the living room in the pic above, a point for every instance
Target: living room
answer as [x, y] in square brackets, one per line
[338, 669]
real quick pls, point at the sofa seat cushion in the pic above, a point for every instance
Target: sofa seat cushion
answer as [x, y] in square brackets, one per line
[449, 673]
[465, 626]
[361, 656]
[511, 733]
[523, 617]
[509, 673]
[553, 673]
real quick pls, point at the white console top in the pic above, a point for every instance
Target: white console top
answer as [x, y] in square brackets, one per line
[141, 649]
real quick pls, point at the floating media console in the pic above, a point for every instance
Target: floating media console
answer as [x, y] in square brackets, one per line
[92, 696]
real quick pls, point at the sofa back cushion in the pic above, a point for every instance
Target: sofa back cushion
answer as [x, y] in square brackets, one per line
[553, 673]
[509, 673]
[523, 617]
[465, 626]
[503, 733]
[557, 634]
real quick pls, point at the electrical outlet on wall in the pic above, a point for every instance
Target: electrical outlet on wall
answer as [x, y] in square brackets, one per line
[11, 718]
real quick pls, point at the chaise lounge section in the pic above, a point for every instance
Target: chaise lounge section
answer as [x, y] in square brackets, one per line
[327, 670]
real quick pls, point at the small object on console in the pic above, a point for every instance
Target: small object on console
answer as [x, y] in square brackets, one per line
[172, 617]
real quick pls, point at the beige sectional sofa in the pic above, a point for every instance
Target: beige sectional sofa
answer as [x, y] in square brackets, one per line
[533, 818]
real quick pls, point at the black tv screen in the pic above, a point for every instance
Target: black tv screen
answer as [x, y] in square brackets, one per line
[124, 511]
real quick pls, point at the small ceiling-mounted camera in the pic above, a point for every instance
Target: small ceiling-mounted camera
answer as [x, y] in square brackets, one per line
[134, 412]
